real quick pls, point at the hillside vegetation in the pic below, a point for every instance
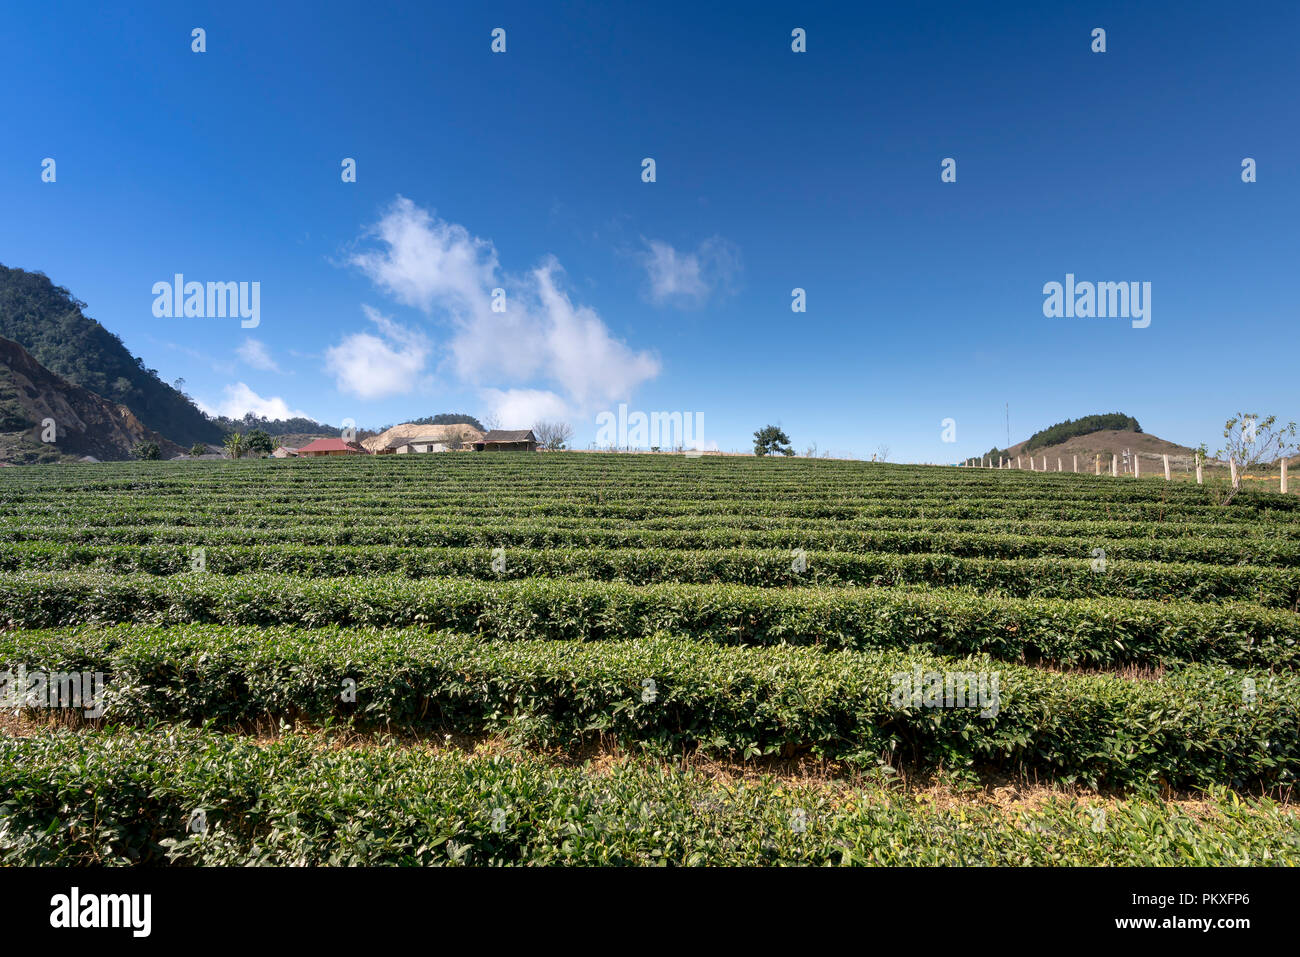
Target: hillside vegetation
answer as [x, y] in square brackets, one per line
[1059, 433]
[49, 323]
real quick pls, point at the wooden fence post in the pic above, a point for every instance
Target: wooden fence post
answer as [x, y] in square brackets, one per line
[1137, 470]
[1076, 463]
[1017, 461]
[1200, 479]
[1166, 466]
[1098, 459]
[1059, 467]
[1114, 465]
[1232, 464]
[1284, 476]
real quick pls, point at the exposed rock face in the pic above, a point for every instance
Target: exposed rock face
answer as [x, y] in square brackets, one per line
[84, 423]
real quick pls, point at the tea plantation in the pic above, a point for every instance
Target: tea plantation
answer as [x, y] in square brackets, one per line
[586, 658]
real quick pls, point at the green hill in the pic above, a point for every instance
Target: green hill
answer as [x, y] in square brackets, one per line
[1056, 434]
[49, 323]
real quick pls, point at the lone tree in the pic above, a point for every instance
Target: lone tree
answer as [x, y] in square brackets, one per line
[258, 441]
[148, 451]
[235, 445]
[198, 448]
[552, 435]
[1251, 441]
[770, 440]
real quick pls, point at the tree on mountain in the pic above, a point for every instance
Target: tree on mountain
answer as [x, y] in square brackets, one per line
[450, 418]
[274, 427]
[1056, 434]
[771, 440]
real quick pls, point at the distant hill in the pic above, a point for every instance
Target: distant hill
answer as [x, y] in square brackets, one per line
[450, 418]
[84, 423]
[277, 427]
[49, 323]
[1108, 434]
[1107, 442]
[1063, 431]
[296, 440]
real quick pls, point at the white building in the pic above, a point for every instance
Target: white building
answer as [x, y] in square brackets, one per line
[426, 443]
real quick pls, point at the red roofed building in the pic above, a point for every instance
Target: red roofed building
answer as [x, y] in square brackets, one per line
[331, 447]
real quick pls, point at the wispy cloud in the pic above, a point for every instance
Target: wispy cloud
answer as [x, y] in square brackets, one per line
[688, 280]
[254, 353]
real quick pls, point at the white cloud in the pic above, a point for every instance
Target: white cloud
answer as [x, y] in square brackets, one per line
[542, 344]
[255, 354]
[375, 366]
[428, 262]
[522, 408]
[689, 279]
[238, 400]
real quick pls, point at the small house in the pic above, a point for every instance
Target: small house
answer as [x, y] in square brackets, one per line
[506, 440]
[330, 447]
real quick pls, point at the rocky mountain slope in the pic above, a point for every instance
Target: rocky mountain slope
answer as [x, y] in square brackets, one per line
[83, 423]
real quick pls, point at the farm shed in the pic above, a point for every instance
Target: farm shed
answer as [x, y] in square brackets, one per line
[505, 440]
[330, 447]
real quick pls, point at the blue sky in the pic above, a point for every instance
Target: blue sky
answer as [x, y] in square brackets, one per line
[775, 170]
